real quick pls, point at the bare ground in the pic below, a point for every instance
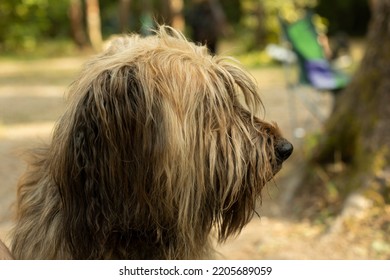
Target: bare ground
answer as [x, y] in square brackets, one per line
[31, 99]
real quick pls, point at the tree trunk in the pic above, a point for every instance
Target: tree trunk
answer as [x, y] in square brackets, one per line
[260, 32]
[124, 12]
[177, 20]
[93, 23]
[77, 24]
[360, 125]
[357, 135]
[166, 13]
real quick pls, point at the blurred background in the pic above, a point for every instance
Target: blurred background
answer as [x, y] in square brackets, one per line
[331, 199]
[62, 27]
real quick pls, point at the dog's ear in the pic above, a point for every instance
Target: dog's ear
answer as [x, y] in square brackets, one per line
[94, 158]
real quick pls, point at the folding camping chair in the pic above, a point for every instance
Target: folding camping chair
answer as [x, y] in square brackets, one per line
[315, 70]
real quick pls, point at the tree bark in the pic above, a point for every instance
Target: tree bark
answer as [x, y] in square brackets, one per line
[77, 24]
[93, 23]
[260, 32]
[124, 13]
[177, 19]
[166, 12]
[360, 125]
[353, 155]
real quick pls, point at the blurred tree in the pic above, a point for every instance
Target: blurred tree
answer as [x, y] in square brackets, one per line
[207, 21]
[76, 17]
[260, 31]
[124, 14]
[93, 24]
[355, 147]
[166, 12]
[177, 19]
[23, 23]
[233, 10]
[350, 16]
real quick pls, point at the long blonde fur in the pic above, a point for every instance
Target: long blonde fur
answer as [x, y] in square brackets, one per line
[153, 152]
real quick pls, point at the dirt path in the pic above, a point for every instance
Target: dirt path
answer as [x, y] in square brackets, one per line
[31, 99]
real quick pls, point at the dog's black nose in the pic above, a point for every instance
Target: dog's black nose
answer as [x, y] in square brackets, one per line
[283, 149]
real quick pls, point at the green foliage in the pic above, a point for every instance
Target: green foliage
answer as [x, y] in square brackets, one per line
[24, 22]
[233, 10]
[261, 17]
[255, 59]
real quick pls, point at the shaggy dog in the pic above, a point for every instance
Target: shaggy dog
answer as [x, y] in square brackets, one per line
[153, 154]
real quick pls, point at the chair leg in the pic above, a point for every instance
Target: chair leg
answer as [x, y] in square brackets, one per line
[296, 130]
[311, 105]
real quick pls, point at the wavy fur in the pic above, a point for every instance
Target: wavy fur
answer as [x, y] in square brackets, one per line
[154, 151]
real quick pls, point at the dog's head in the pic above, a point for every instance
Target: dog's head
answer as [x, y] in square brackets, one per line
[156, 145]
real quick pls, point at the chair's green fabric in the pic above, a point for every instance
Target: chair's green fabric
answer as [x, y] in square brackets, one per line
[304, 39]
[315, 69]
